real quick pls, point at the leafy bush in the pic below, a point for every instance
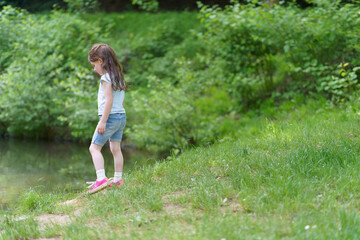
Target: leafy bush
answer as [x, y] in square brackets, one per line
[147, 5]
[45, 84]
[281, 49]
[191, 79]
[166, 115]
[155, 51]
[247, 57]
[81, 6]
[172, 117]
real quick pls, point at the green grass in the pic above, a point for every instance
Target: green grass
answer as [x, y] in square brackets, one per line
[295, 177]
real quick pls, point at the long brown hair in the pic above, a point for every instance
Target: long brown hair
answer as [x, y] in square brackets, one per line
[110, 63]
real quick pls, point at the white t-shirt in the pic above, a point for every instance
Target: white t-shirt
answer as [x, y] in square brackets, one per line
[118, 97]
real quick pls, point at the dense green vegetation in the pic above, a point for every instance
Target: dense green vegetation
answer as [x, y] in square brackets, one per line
[131, 5]
[274, 88]
[192, 75]
[293, 178]
[50, 68]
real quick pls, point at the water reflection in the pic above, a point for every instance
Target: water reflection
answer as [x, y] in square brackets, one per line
[49, 165]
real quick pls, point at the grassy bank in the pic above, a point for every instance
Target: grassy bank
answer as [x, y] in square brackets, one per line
[293, 176]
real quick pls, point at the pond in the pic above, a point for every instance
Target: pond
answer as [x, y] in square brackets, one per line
[26, 164]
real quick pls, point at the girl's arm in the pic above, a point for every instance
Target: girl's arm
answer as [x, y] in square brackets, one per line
[107, 108]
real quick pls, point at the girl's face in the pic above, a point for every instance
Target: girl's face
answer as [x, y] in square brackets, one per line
[97, 67]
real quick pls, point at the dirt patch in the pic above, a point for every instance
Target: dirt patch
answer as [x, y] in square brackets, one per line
[77, 203]
[60, 219]
[171, 207]
[175, 209]
[93, 223]
[73, 202]
[232, 205]
[235, 206]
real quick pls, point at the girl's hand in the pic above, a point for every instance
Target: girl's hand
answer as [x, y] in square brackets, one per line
[101, 127]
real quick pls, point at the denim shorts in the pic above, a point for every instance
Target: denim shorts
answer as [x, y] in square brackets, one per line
[114, 129]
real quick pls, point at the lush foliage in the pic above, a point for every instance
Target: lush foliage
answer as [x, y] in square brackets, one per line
[81, 6]
[148, 5]
[282, 51]
[46, 87]
[192, 76]
[241, 58]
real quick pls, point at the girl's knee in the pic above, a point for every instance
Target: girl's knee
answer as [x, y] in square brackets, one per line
[93, 148]
[115, 148]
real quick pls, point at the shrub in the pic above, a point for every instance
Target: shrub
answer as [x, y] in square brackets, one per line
[247, 57]
[45, 83]
[263, 50]
[190, 79]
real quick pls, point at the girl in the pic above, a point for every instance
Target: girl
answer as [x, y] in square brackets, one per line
[111, 114]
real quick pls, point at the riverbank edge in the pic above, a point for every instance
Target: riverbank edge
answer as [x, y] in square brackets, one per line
[289, 178]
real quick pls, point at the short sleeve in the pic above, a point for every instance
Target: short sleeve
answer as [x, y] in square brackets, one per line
[106, 78]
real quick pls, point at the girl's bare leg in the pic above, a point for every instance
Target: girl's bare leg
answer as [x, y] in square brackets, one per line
[117, 154]
[97, 157]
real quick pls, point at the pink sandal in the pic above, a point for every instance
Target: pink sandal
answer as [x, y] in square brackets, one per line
[116, 184]
[98, 185]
